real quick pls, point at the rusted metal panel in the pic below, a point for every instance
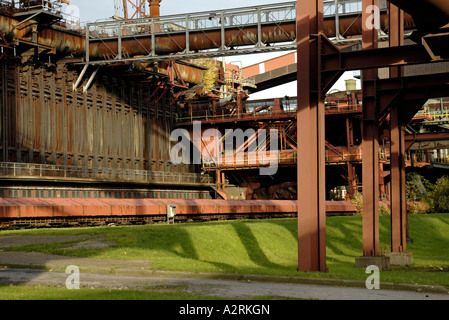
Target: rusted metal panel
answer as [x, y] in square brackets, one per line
[34, 207]
[105, 132]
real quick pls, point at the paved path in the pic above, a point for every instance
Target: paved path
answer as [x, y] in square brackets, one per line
[213, 287]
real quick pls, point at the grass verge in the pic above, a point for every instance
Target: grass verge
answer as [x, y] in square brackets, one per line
[264, 247]
[24, 292]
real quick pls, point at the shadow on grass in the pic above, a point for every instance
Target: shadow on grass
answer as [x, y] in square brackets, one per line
[183, 246]
[252, 247]
[347, 232]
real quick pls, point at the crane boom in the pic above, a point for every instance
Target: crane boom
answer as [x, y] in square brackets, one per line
[136, 9]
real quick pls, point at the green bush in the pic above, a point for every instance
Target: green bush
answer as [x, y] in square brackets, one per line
[417, 208]
[422, 196]
[384, 209]
[416, 187]
[437, 199]
[357, 201]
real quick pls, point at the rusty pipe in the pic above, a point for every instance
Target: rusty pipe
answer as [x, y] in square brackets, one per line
[198, 41]
[185, 73]
[72, 43]
[155, 8]
[352, 26]
[12, 30]
[64, 42]
[164, 45]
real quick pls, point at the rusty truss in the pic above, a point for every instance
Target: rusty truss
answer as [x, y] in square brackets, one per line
[398, 95]
[95, 106]
[237, 31]
[211, 34]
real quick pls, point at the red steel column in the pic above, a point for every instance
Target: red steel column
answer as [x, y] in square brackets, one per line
[370, 136]
[311, 142]
[351, 170]
[395, 34]
[397, 147]
[398, 194]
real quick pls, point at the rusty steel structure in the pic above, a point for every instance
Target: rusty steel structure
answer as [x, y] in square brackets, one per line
[63, 113]
[343, 149]
[88, 112]
[107, 131]
[315, 74]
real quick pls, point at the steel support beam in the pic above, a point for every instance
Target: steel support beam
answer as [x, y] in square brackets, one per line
[376, 58]
[398, 195]
[311, 150]
[397, 143]
[370, 142]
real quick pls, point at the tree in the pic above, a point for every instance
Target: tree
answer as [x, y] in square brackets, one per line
[438, 198]
[416, 187]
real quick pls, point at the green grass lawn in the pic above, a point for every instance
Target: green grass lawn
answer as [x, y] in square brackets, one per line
[26, 292]
[266, 247]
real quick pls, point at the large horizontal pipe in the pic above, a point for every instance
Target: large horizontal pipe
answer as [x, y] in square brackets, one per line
[352, 25]
[71, 43]
[349, 26]
[165, 44]
[183, 72]
[64, 42]
[9, 30]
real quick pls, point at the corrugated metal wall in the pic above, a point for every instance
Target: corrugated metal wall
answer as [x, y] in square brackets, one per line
[117, 126]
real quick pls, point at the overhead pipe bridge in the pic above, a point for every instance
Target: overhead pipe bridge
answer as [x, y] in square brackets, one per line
[264, 28]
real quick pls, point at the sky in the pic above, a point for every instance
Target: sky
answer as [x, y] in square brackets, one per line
[91, 11]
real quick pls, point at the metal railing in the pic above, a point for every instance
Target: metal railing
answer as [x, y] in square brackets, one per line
[289, 109]
[443, 160]
[347, 7]
[28, 5]
[284, 157]
[46, 171]
[112, 33]
[250, 159]
[241, 116]
[67, 18]
[199, 23]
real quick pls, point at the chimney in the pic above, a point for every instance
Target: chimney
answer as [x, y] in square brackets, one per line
[351, 85]
[154, 8]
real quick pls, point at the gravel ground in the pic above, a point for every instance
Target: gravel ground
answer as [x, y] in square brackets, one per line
[19, 241]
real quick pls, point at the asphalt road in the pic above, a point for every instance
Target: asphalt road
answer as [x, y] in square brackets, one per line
[212, 287]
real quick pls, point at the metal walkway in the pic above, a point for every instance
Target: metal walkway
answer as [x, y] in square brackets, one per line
[247, 30]
[250, 30]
